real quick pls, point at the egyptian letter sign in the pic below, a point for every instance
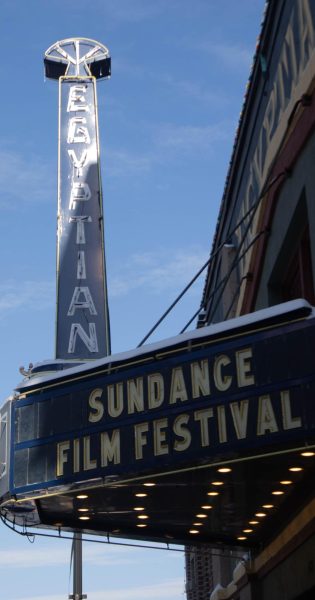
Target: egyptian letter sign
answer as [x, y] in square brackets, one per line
[202, 399]
[81, 286]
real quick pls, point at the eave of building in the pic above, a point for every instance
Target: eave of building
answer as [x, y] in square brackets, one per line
[255, 77]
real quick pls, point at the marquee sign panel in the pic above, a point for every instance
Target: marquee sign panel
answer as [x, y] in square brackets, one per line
[208, 401]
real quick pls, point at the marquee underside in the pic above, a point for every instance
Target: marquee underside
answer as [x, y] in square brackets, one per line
[238, 503]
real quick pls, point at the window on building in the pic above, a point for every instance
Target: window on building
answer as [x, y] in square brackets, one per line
[290, 262]
[298, 278]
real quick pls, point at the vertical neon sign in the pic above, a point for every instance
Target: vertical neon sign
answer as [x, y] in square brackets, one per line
[82, 321]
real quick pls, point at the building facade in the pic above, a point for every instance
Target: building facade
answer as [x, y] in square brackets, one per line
[264, 254]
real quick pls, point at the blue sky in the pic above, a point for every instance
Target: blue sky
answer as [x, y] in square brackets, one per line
[167, 119]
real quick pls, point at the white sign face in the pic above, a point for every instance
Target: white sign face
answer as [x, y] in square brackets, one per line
[82, 313]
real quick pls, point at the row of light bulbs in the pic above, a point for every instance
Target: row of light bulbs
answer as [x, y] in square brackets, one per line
[212, 493]
[259, 514]
[141, 516]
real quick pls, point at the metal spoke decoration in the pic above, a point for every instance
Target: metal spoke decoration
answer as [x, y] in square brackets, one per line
[77, 57]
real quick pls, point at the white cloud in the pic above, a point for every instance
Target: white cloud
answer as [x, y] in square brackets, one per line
[156, 272]
[230, 55]
[24, 178]
[169, 142]
[59, 555]
[189, 137]
[135, 11]
[170, 590]
[36, 295]
[33, 557]
[203, 92]
[122, 163]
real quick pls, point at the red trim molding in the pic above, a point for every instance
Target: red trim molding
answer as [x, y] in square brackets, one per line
[284, 164]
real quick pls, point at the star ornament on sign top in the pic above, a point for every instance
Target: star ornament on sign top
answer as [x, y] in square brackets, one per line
[77, 57]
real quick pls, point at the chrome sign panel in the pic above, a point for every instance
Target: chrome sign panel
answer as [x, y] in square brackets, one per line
[82, 327]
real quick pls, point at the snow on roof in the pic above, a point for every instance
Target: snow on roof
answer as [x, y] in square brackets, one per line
[273, 313]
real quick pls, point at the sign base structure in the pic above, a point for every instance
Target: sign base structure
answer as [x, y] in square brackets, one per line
[208, 437]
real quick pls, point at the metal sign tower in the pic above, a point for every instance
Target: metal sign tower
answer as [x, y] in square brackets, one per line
[82, 318]
[82, 323]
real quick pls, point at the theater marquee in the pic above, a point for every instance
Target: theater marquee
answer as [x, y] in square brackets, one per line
[205, 400]
[163, 443]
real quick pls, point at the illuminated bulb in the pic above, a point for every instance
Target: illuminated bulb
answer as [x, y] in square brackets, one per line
[217, 482]
[149, 484]
[268, 505]
[197, 524]
[224, 470]
[138, 508]
[295, 469]
[253, 522]
[84, 518]
[201, 516]
[193, 531]
[307, 453]
[142, 516]
[260, 514]
[141, 525]
[82, 496]
[207, 507]
[212, 493]
[286, 482]
[242, 538]
[277, 493]
[247, 530]
[141, 495]
[83, 509]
